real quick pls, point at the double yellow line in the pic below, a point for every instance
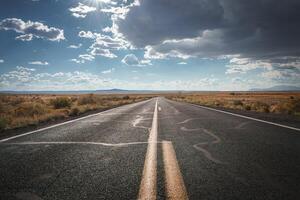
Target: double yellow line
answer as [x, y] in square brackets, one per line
[174, 185]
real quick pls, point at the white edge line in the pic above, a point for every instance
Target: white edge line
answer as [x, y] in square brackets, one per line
[251, 118]
[67, 122]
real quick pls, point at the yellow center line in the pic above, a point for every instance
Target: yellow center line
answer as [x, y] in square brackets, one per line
[174, 186]
[148, 183]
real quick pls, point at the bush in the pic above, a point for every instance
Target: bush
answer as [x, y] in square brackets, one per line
[260, 107]
[30, 109]
[126, 97]
[247, 107]
[3, 124]
[74, 111]
[16, 100]
[237, 103]
[265, 109]
[61, 102]
[87, 99]
[296, 105]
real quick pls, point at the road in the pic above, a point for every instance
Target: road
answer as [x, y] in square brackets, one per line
[156, 149]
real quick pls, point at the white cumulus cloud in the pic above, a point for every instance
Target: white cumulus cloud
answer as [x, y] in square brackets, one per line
[82, 58]
[81, 10]
[132, 60]
[29, 30]
[104, 44]
[102, 52]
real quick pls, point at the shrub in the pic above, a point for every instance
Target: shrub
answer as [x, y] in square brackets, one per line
[87, 99]
[264, 108]
[16, 100]
[296, 105]
[30, 109]
[237, 102]
[61, 102]
[126, 97]
[1, 107]
[260, 107]
[285, 107]
[73, 99]
[74, 111]
[3, 124]
[247, 107]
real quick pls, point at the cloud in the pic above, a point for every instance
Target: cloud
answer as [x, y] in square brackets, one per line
[182, 63]
[120, 11]
[279, 76]
[82, 58]
[73, 46]
[86, 34]
[1, 61]
[23, 78]
[81, 10]
[242, 65]
[107, 2]
[102, 52]
[258, 29]
[208, 45]
[152, 21]
[78, 61]
[108, 71]
[38, 63]
[30, 30]
[103, 44]
[18, 76]
[275, 70]
[132, 60]
[26, 37]
[24, 69]
[104, 41]
[27, 79]
[86, 57]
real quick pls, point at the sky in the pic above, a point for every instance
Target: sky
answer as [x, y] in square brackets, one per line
[149, 44]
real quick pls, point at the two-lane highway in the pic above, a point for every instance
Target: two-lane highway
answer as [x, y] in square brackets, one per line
[153, 149]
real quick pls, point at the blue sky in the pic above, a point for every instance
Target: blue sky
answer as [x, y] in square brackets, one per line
[103, 44]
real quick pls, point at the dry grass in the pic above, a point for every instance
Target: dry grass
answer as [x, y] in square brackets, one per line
[23, 110]
[267, 102]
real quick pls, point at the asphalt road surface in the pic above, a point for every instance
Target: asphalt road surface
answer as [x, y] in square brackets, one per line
[156, 149]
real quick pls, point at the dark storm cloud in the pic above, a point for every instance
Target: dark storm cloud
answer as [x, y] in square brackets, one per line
[157, 20]
[256, 29]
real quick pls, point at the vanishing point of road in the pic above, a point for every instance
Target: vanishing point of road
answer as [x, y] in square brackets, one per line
[155, 149]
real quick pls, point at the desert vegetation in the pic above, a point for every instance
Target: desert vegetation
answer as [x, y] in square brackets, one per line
[24, 110]
[267, 102]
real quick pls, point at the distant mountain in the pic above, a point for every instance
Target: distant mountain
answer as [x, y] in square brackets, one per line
[114, 90]
[278, 88]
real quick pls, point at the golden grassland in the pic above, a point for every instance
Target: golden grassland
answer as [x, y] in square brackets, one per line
[32, 109]
[21, 110]
[267, 102]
